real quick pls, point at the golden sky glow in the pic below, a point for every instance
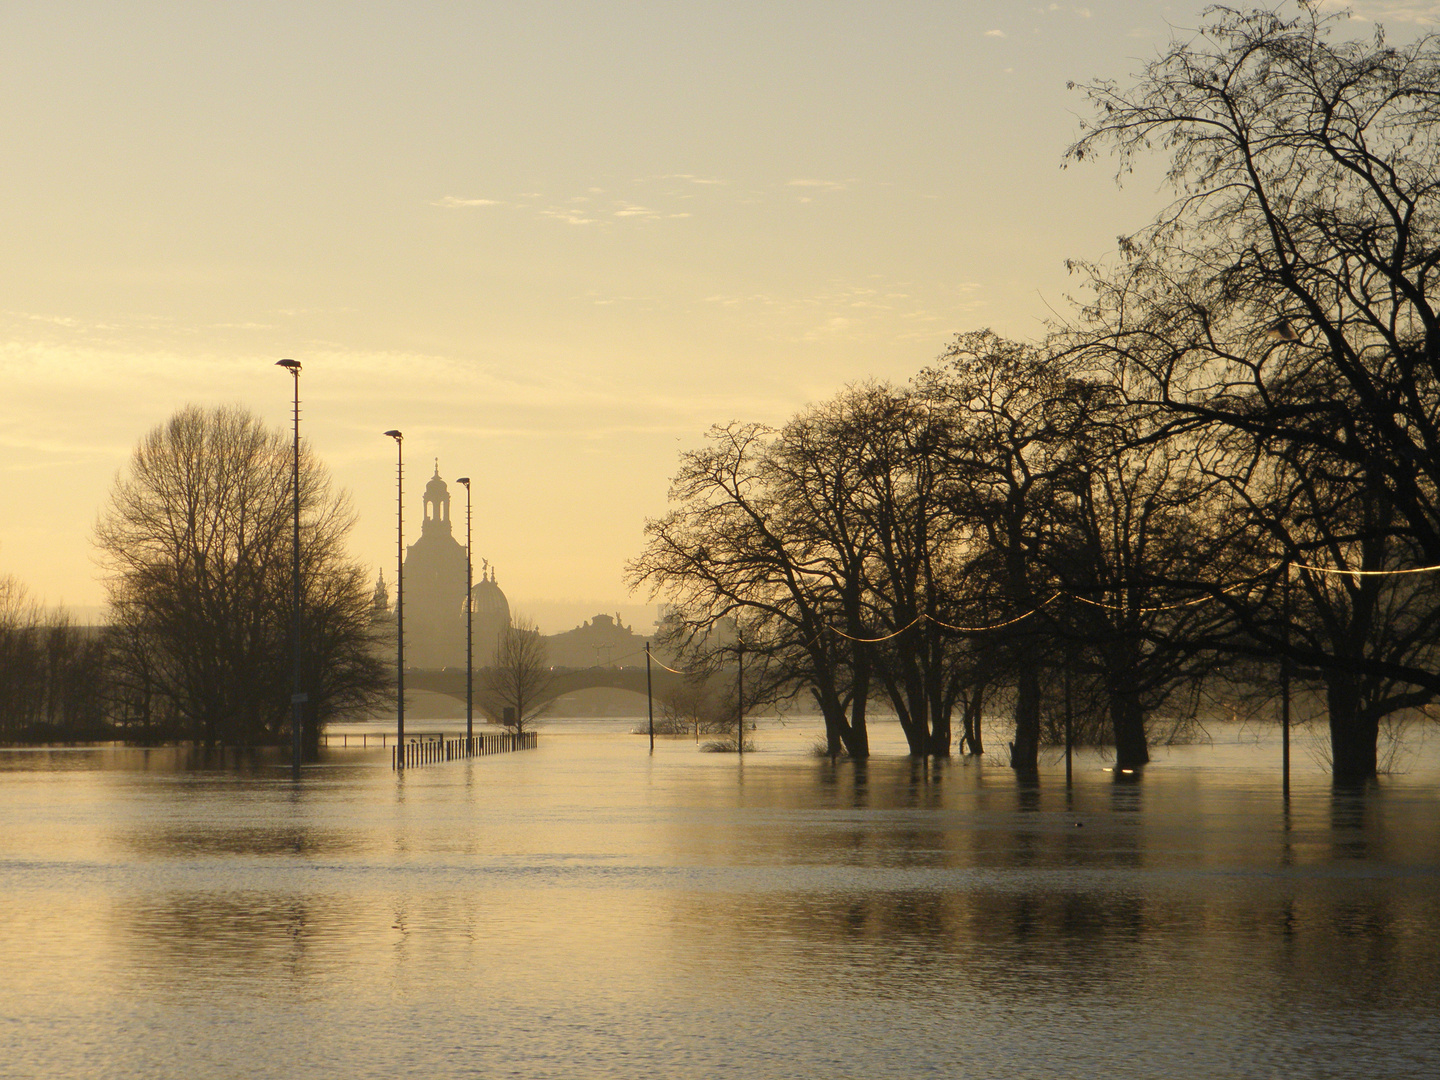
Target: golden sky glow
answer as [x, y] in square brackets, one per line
[552, 243]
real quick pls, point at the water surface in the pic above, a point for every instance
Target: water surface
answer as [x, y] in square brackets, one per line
[587, 910]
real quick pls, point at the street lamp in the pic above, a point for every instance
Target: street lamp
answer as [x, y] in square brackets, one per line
[399, 597]
[297, 697]
[469, 627]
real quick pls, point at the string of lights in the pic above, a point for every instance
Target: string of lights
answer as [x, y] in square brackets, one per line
[1237, 587]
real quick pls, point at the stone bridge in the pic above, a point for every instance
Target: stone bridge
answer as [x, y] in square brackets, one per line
[565, 680]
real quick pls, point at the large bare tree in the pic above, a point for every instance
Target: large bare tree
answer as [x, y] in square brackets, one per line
[196, 540]
[1284, 306]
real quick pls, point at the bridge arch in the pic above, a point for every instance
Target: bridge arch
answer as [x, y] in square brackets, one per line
[451, 682]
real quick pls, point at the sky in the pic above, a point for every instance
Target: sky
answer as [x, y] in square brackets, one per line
[552, 243]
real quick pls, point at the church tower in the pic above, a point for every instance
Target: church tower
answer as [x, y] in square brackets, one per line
[435, 586]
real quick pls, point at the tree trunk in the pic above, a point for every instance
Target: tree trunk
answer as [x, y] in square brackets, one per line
[1354, 734]
[1127, 720]
[1025, 750]
[917, 735]
[970, 720]
[939, 728]
[857, 742]
[857, 736]
[832, 712]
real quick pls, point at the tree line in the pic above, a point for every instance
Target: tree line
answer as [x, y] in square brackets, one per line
[1227, 459]
[50, 672]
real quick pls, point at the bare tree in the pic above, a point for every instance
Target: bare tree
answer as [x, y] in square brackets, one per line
[753, 538]
[516, 686]
[21, 670]
[1285, 304]
[1014, 414]
[54, 675]
[196, 539]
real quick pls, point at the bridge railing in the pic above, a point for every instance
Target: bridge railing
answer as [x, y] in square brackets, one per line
[436, 751]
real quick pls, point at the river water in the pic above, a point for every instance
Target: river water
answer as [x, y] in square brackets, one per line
[587, 910]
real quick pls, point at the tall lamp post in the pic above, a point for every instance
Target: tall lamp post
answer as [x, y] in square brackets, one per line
[297, 696]
[399, 598]
[469, 627]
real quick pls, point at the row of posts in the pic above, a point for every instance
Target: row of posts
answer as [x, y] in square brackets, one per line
[434, 751]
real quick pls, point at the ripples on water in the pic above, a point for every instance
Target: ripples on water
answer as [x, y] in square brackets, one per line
[586, 910]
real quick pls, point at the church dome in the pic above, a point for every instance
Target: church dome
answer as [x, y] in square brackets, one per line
[490, 603]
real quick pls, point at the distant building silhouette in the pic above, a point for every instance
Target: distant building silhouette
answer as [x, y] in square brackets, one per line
[435, 605]
[600, 642]
[435, 592]
[492, 614]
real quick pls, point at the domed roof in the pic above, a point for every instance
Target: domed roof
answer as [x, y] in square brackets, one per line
[489, 600]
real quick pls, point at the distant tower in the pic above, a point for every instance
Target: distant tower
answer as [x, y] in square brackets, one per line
[380, 601]
[434, 586]
[437, 504]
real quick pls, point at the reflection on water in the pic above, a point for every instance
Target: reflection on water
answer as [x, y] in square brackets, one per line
[588, 910]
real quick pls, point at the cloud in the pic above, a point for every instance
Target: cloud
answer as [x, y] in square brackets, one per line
[451, 202]
[570, 217]
[66, 321]
[1418, 12]
[836, 324]
[691, 178]
[824, 185]
[995, 33]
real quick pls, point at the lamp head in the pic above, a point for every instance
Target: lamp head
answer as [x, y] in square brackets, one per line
[464, 480]
[395, 435]
[292, 366]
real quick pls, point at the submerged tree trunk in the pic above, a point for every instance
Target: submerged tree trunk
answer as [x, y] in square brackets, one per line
[1354, 731]
[939, 731]
[970, 720]
[858, 741]
[842, 735]
[1127, 720]
[1025, 750]
[857, 736]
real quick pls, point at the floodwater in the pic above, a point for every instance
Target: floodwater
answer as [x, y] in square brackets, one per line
[587, 910]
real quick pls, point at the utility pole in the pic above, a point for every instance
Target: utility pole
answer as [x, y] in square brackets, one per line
[649, 698]
[740, 696]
